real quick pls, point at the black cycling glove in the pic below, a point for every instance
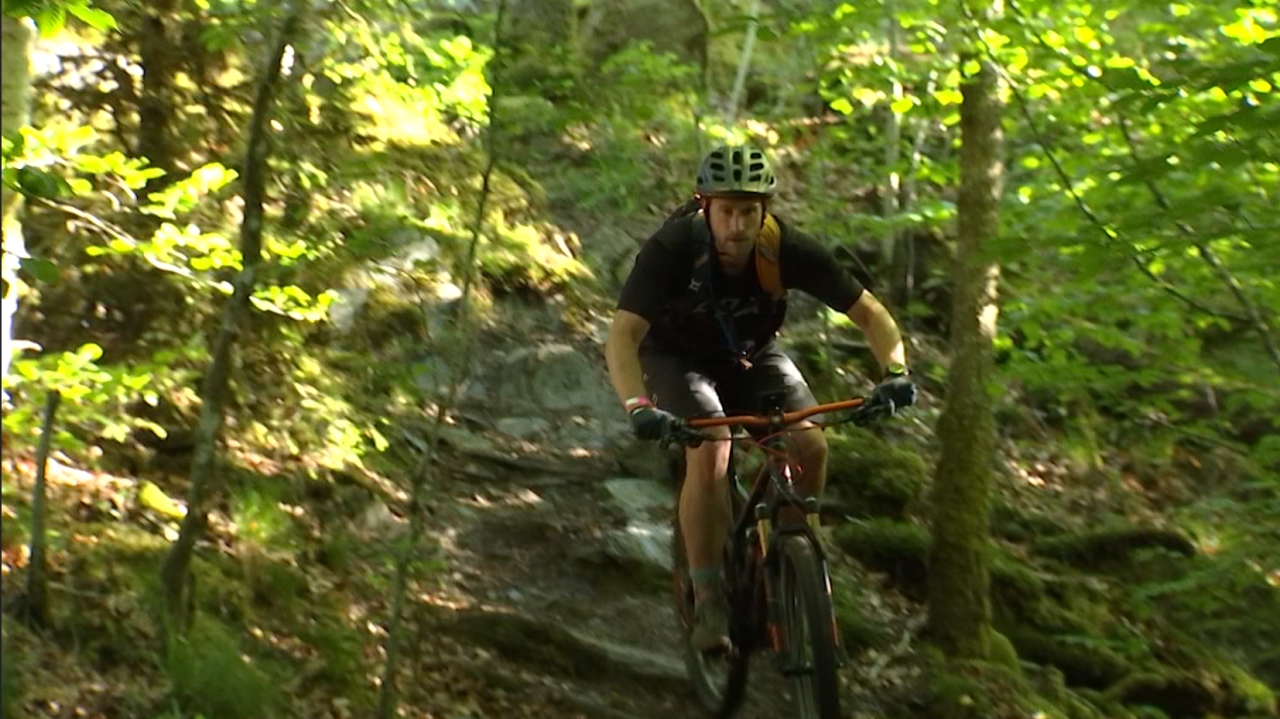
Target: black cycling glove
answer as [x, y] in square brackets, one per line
[895, 391]
[649, 422]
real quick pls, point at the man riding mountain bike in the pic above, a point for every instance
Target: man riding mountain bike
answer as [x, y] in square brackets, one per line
[695, 328]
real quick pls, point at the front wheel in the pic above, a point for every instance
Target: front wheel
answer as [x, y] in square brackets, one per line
[808, 634]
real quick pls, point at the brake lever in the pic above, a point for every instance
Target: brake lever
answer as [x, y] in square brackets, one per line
[685, 436]
[872, 411]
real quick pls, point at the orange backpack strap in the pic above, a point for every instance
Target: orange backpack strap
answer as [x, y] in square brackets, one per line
[768, 249]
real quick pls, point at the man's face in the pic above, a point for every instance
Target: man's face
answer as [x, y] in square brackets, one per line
[735, 224]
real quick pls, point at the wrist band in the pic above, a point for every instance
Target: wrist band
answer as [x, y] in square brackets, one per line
[635, 403]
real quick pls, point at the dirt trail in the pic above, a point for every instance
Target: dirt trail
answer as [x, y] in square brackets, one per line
[544, 552]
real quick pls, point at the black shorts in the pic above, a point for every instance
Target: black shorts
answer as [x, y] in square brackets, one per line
[689, 388]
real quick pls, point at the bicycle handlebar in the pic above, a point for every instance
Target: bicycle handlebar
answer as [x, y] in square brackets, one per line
[687, 433]
[758, 420]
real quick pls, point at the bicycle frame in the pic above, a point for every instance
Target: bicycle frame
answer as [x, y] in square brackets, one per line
[771, 492]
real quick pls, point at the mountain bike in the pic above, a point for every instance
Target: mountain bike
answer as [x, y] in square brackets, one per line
[775, 571]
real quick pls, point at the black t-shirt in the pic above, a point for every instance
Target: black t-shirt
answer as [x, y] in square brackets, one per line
[665, 289]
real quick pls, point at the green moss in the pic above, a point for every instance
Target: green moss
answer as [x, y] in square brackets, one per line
[210, 676]
[1105, 705]
[1015, 587]
[1110, 546]
[1247, 694]
[340, 648]
[959, 690]
[1019, 525]
[1001, 652]
[1174, 693]
[1083, 663]
[954, 696]
[858, 629]
[899, 550]
[879, 478]
[10, 682]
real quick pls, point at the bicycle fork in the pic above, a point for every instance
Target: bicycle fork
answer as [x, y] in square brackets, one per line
[773, 602]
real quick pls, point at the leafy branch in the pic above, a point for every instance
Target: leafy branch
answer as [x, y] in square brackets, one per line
[1255, 317]
[175, 571]
[1107, 232]
[1252, 315]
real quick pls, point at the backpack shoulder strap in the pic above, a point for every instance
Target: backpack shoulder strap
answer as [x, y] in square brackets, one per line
[768, 249]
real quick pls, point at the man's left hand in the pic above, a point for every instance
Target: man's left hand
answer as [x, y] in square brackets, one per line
[895, 392]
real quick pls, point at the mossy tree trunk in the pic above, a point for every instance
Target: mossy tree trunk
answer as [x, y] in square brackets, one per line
[175, 572]
[16, 98]
[959, 599]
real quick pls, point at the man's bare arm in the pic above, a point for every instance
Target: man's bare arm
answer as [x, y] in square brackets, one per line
[881, 331]
[622, 354]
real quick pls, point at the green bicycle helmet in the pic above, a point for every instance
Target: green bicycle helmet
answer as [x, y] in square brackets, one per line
[736, 170]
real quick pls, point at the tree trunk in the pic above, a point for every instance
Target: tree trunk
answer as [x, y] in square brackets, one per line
[36, 602]
[16, 99]
[959, 601]
[158, 55]
[889, 255]
[389, 697]
[175, 572]
[744, 64]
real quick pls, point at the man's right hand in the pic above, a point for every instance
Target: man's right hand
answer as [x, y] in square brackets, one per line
[649, 422]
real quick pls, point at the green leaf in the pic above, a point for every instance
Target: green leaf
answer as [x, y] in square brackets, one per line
[842, 106]
[37, 183]
[948, 97]
[90, 164]
[89, 352]
[154, 498]
[22, 8]
[51, 18]
[92, 16]
[42, 270]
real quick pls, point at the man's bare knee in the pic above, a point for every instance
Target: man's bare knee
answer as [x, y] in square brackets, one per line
[811, 443]
[710, 459]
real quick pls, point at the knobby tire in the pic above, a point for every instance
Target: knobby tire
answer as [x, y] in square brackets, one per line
[808, 637]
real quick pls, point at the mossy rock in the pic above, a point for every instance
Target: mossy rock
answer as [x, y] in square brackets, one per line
[901, 550]
[1015, 587]
[1176, 694]
[858, 629]
[959, 690]
[1002, 652]
[539, 644]
[1015, 524]
[1087, 665]
[1235, 690]
[875, 477]
[898, 549]
[1109, 546]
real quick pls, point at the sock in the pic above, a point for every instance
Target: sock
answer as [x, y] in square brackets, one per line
[704, 580]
